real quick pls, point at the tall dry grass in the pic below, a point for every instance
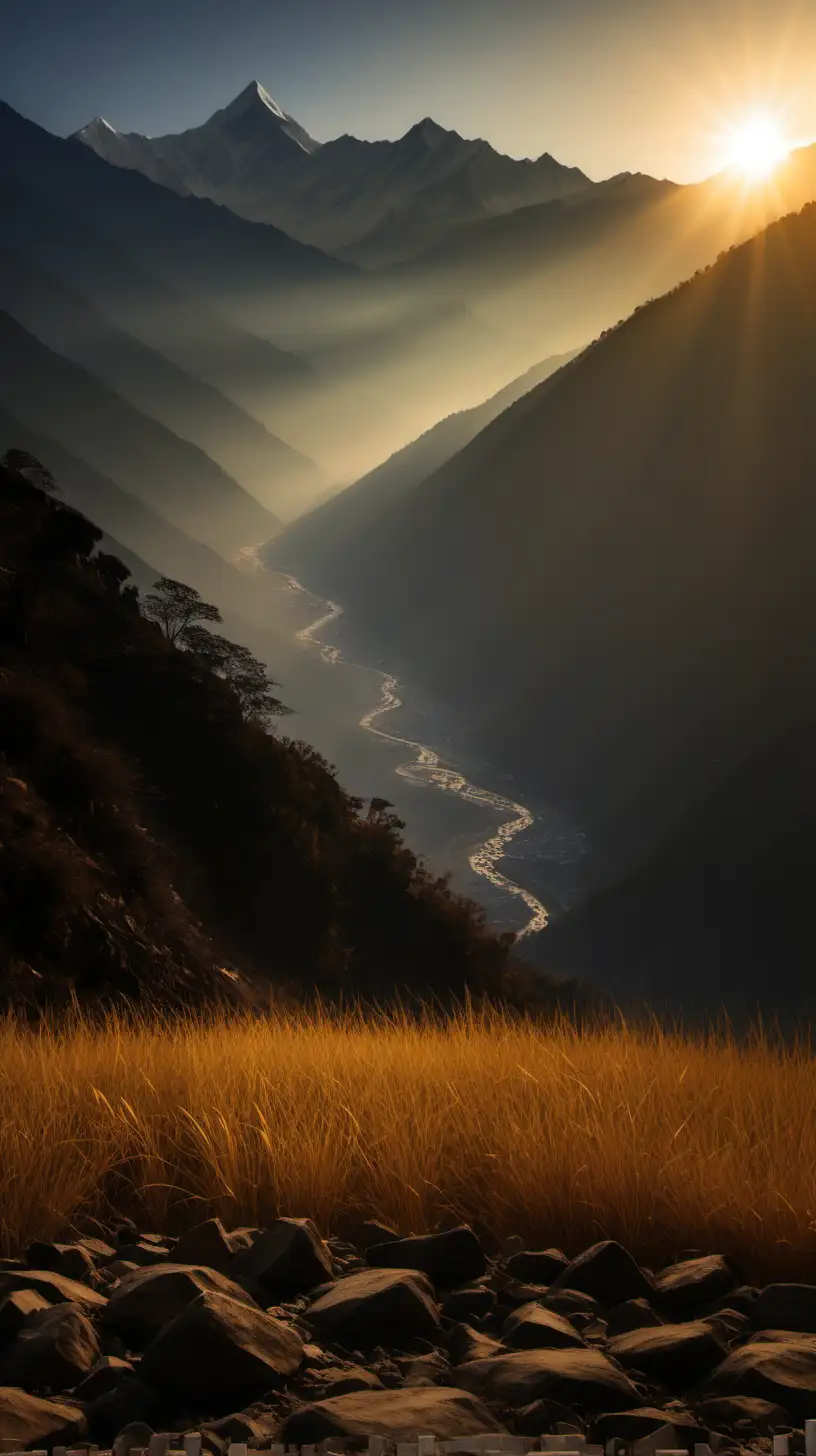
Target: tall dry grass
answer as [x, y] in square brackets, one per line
[663, 1140]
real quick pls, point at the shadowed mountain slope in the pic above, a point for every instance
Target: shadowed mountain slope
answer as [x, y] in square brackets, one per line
[71, 325]
[321, 536]
[59, 398]
[151, 834]
[615, 581]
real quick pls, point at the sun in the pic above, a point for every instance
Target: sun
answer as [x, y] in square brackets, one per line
[756, 146]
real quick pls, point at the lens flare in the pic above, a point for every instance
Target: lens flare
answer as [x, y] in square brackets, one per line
[756, 146]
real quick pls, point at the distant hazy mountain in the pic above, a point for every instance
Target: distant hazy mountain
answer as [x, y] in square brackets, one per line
[321, 536]
[375, 201]
[552, 274]
[616, 580]
[73, 326]
[59, 399]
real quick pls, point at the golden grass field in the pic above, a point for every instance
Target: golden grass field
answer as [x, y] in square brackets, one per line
[665, 1141]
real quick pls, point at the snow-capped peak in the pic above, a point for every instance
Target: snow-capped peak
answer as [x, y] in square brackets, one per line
[251, 96]
[99, 124]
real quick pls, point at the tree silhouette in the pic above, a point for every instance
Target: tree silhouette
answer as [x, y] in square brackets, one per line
[247, 677]
[27, 465]
[177, 607]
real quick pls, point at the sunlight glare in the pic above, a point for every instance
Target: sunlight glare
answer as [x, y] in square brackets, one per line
[757, 145]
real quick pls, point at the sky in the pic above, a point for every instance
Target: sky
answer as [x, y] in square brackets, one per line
[606, 85]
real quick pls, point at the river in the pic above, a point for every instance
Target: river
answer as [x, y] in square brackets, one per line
[425, 768]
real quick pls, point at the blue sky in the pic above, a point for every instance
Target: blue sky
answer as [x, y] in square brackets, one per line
[608, 85]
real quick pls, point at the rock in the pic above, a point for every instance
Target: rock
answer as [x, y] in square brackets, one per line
[249, 1427]
[534, 1267]
[571, 1301]
[118, 1268]
[572, 1377]
[743, 1300]
[395, 1414]
[289, 1258]
[432, 1369]
[633, 1314]
[608, 1272]
[132, 1400]
[782, 1371]
[56, 1288]
[15, 1309]
[535, 1328]
[676, 1355]
[689, 1286]
[466, 1344]
[513, 1295]
[786, 1307]
[72, 1260]
[146, 1300]
[374, 1307]
[34, 1422]
[55, 1348]
[365, 1235]
[106, 1374]
[664, 1438]
[729, 1322]
[98, 1249]
[218, 1347]
[541, 1416]
[450, 1257]
[340, 1381]
[207, 1244]
[644, 1421]
[469, 1302]
[143, 1254]
[765, 1416]
[137, 1433]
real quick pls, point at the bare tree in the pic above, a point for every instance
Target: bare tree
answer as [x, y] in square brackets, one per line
[177, 607]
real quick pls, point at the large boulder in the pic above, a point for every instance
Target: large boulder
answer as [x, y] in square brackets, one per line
[219, 1347]
[535, 1328]
[573, 1377]
[633, 1425]
[375, 1307]
[786, 1307]
[780, 1370]
[208, 1245]
[146, 1300]
[33, 1422]
[289, 1258]
[608, 1272]
[451, 1257]
[56, 1288]
[395, 1414]
[675, 1355]
[536, 1266]
[54, 1350]
[687, 1287]
[724, 1411]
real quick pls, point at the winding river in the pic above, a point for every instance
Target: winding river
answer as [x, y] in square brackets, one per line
[425, 767]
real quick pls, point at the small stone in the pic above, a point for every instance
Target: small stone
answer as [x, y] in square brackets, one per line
[676, 1355]
[608, 1272]
[537, 1267]
[217, 1347]
[375, 1307]
[689, 1286]
[34, 1422]
[53, 1350]
[451, 1257]
[533, 1327]
[395, 1414]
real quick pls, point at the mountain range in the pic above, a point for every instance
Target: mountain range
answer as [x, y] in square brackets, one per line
[372, 202]
[614, 581]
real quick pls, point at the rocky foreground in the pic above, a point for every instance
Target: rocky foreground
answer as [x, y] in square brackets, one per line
[269, 1336]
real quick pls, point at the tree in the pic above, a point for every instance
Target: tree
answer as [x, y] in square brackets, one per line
[27, 465]
[247, 677]
[177, 607]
